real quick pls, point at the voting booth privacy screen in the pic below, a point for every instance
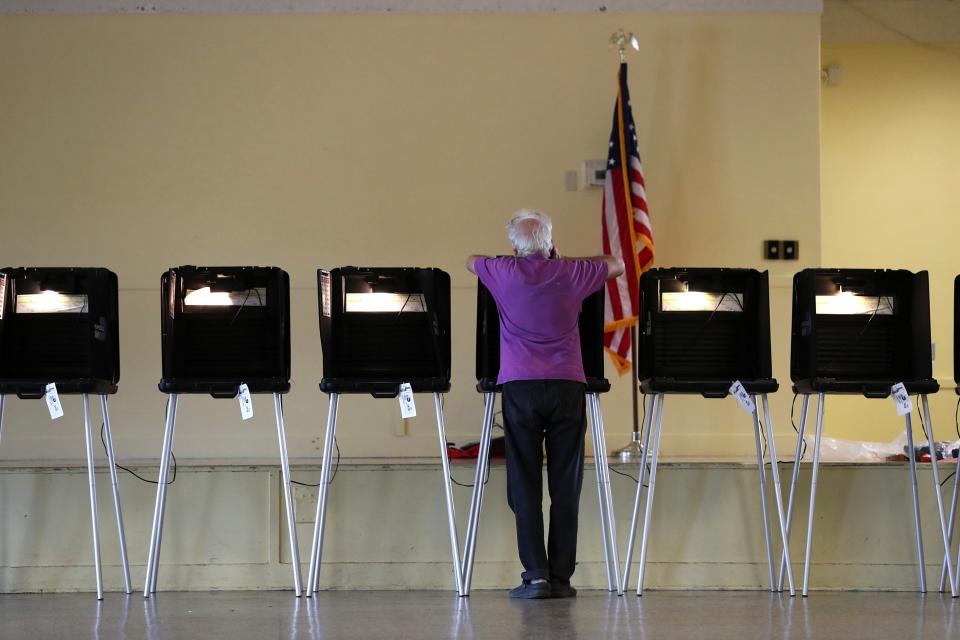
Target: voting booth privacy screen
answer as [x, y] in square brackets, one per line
[956, 332]
[224, 326]
[58, 325]
[861, 331]
[383, 326]
[701, 329]
[591, 340]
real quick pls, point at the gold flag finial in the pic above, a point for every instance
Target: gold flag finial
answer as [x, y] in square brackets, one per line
[621, 39]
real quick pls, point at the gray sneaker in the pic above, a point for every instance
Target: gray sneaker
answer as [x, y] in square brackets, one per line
[562, 590]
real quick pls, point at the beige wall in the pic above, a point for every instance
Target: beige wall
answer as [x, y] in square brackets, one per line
[139, 143]
[891, 164]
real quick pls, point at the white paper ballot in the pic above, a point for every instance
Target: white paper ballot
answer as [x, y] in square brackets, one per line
[407, 407]
[743, 397]
[53, 402]
[246, 403]
[901, 398]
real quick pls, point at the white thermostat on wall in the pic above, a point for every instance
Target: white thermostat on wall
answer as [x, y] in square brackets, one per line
[594, 173]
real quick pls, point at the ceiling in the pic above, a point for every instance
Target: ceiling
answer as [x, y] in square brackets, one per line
[929, 21]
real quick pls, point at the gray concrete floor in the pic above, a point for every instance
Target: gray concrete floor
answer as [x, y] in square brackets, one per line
[486, 614]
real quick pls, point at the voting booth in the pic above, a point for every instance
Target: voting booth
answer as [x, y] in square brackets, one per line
[225, 332]
[705, 332]
[864, 332]
[385, 331]
[487, 370]
[59, 335]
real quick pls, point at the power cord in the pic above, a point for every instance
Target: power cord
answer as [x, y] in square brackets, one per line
[643, 420]
[134, 473]
[336, 467]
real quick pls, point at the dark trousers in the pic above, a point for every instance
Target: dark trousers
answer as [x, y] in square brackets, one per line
[554, 411]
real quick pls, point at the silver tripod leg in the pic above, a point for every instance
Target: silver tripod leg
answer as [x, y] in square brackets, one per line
[931, 440]
[647, 429]
[153, 554]
[648, 509]
[93, 495]
[448, 493]
[761, 467]
[316, 548]
[112, 464]
[950, 522]
[813, 493]
[476, 500]
[601, 499]
[607, 492]
[287, 494]
[916, 503]
[612, 516]
[777, 492]
[784, 558]
[3, 401]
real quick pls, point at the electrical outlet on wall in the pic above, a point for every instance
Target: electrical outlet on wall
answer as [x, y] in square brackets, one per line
[771, 249]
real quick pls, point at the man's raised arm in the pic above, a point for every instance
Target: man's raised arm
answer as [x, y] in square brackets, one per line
[472, 260]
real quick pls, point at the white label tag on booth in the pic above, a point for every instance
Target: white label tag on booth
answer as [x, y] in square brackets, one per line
[407, 407]
[902, 399]
[246, 403]
[53, 402]
[743, 397]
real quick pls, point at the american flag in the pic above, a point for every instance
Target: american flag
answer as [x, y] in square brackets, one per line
[627, 232]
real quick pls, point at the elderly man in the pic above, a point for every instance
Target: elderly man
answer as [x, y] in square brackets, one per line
[538, 296]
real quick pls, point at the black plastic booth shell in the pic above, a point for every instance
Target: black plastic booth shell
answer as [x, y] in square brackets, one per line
[182, 378]
[912, 359]
[382, 379]
[749, 347]
[100, 373]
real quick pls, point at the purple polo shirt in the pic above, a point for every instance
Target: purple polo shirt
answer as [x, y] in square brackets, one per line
[539, 305]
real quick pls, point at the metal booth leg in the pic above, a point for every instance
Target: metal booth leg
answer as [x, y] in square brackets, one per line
[777, 492]
[476, 499]
[784, 558]
[761, 467]
[648, 509]
[647, 429]
[936, 490]
[316, 548]
[611, 520]
[916, 503]
[601, 499]
[950, 522]
[448, 493]
[112, 463]
[93, 495]
[287, 494]
[813, 493]
[153, 554]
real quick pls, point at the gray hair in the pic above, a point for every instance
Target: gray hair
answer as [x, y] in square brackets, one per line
[531, 232]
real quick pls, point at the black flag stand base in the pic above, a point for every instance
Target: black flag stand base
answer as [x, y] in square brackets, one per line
[633, 452]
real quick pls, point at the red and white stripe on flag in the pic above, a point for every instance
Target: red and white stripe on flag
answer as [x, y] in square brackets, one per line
[627, 232]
